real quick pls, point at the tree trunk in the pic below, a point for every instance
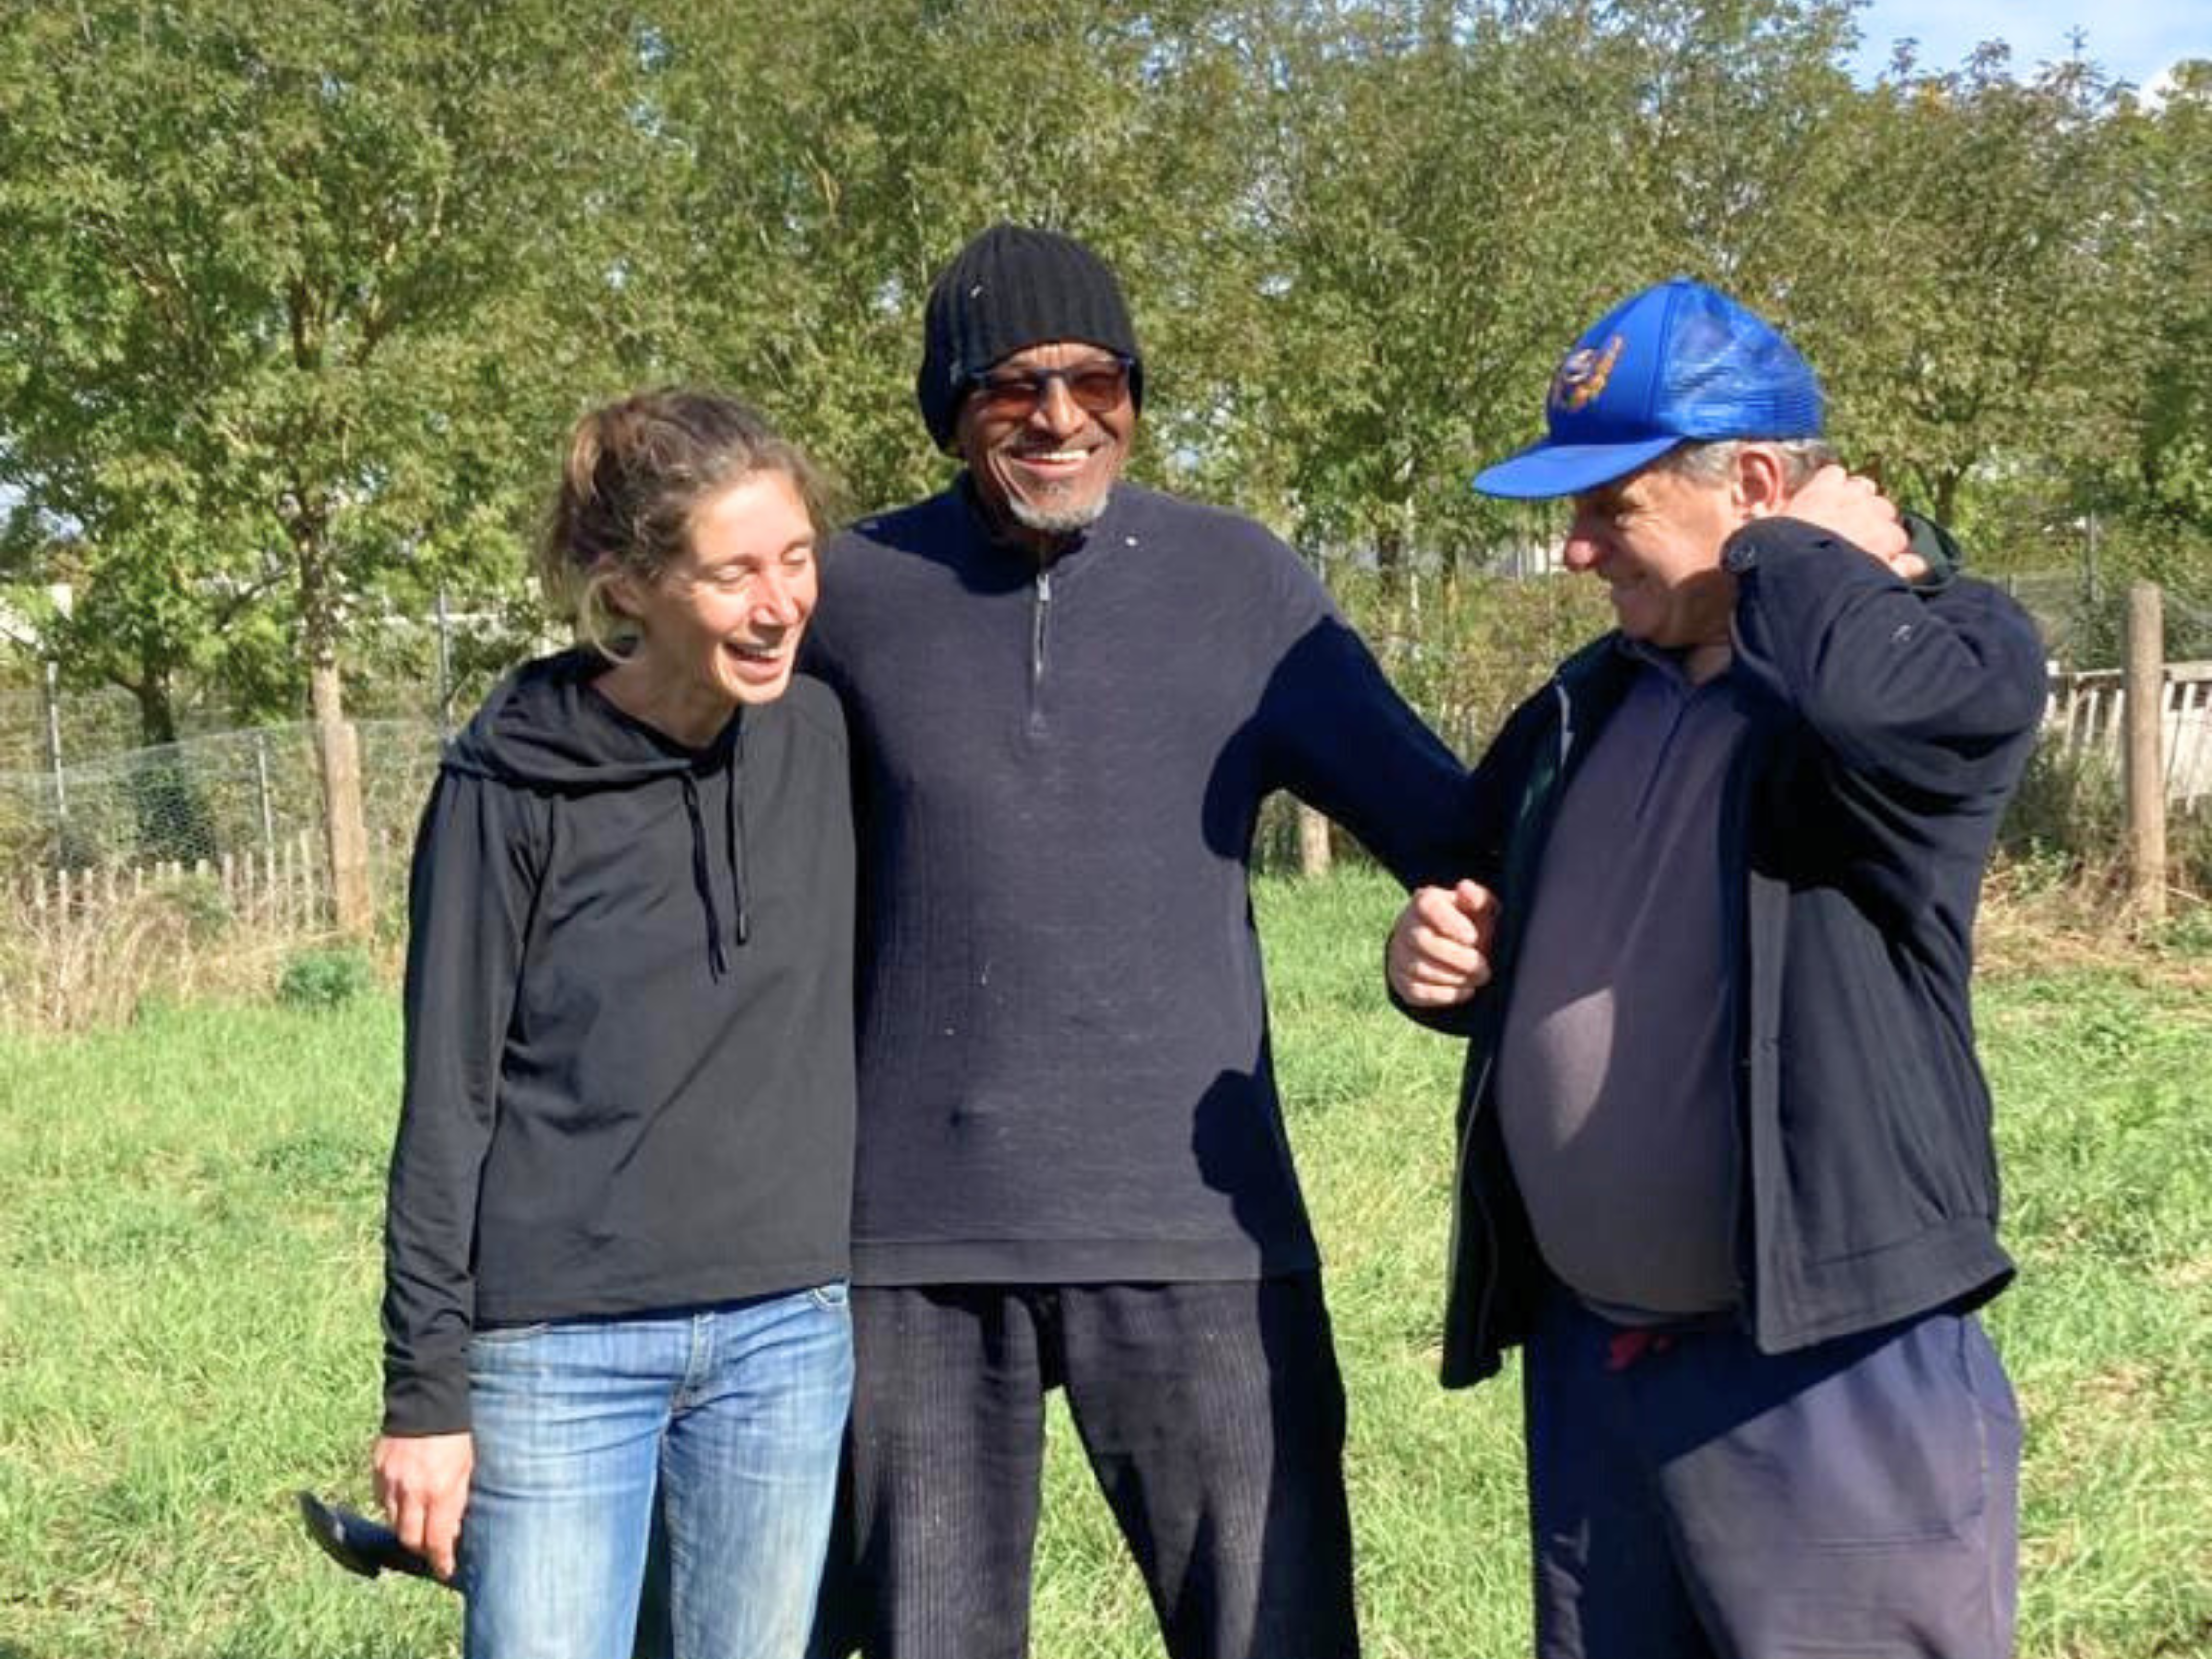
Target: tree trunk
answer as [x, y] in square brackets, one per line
[345, 828]
[173, 823]
[157, 709]
[1390, 554]
[338, 746]
[1947, 496]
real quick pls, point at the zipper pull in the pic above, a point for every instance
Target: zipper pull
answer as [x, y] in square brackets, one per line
[1037, 626]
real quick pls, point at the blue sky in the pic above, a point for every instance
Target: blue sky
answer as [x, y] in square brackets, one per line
[2134, 39]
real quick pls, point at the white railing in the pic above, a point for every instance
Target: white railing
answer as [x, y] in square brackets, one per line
[2088, 713]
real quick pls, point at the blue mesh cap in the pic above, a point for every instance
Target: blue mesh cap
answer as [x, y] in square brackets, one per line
[1675, 361]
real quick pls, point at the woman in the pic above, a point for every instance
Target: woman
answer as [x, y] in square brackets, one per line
[615, 1235]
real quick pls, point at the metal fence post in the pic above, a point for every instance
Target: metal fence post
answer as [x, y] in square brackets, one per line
[54, 739]
[261, 791]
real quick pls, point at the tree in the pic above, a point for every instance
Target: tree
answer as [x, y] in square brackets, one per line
[874, 139]
[1469, 185]
[1959, 278]
[2174, 411]
[289, 298]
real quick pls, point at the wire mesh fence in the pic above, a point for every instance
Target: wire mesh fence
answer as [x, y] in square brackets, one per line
[35, 722]
[242, 808]
[235, 819]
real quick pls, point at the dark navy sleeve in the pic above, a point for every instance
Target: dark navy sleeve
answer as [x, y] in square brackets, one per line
[1492, 796]
[469, 897]
[1931, 693]
[1340, 737]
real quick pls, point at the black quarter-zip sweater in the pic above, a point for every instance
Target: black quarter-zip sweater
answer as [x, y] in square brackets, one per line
[1063, 1043]
[628, 1052]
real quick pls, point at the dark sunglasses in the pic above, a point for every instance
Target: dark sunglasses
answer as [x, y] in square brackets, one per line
[1095, 387]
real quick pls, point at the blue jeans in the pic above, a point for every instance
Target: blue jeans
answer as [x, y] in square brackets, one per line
[730, 1416]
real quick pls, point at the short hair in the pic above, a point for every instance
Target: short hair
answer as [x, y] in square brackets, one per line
[636, 473]
[1710, 461]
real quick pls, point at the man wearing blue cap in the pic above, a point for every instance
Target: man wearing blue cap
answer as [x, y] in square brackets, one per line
[1725, 1167]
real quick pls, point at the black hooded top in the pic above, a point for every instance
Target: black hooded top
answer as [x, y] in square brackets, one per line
[628, 1054]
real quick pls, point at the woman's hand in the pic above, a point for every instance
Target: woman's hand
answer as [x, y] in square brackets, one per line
[422, 1483]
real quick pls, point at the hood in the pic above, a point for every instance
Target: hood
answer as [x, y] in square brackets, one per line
[544, 728]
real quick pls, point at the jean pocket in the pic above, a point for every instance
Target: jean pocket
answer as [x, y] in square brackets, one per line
[831, 1298]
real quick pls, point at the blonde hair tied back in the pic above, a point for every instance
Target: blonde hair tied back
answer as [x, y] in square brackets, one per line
[635, 475]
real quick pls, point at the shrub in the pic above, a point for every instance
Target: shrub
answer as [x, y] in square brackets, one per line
[200, 903]
[2067, 817]
[324, 978]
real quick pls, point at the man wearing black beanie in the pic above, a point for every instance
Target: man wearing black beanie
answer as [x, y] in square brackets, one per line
[1067, 696]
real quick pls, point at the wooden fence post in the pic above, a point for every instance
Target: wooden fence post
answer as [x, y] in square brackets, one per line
[2146, 769]
[345, 833]
[1312, 841]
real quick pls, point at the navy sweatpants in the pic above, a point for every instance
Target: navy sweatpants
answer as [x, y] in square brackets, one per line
[1213, 1414]
[1693, 1498]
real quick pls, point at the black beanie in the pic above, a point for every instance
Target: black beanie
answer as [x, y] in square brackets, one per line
[1009, 289]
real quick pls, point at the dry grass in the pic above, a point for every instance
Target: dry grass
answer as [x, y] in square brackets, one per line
[2031, 925]
[96, 965]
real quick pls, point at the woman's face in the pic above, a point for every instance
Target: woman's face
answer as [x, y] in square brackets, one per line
[727, 617]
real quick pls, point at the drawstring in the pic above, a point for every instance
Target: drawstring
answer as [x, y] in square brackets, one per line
[1625, 1348]
[733, 852]
[733, 828]
[704, 878]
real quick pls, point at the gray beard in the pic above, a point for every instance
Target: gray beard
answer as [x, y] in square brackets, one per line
[1064, 521]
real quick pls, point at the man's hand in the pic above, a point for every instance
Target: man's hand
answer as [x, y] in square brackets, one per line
[1850, 506]
[1439, 950]
[422, 1483]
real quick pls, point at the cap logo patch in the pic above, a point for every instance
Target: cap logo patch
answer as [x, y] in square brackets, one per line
[1581, 377]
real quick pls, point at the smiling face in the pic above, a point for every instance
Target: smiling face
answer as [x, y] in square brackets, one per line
[1654, 540]
[1048, 464]
[720, 625]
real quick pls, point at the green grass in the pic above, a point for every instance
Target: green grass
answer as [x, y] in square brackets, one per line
[188, 1280]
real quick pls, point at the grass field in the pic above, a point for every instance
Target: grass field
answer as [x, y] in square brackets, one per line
[188, 1281]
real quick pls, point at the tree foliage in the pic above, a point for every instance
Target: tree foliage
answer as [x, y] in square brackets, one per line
[2172, 422]
[294, 302]
[281, 294]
